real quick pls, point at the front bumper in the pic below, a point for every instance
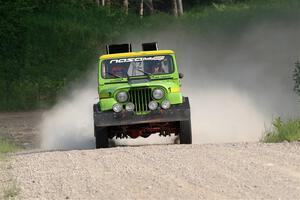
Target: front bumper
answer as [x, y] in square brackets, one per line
[180, 112]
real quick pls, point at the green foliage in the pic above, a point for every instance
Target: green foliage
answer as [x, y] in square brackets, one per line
[296, 77]
[283, 131]
[239, 14]
[47, 44]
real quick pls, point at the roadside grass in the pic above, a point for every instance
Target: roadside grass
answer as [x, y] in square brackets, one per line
[6, 147]
[281, 131]
[9, 190]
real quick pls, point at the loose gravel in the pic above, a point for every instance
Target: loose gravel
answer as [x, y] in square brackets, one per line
[210, 171]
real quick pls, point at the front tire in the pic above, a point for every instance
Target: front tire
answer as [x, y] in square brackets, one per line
[185, 132]
[101, 137]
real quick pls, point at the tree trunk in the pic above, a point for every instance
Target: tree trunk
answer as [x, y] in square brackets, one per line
[180, 7]
[175, 8]
[149, 4]
[103, 2]
[98, 2]
[126, 3]
[142, 9]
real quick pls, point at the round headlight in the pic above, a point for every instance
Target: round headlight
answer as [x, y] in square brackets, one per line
[165, 104]
[117, 107]
[129, 107]
[158, 94]
[122, 97]
[152, 105]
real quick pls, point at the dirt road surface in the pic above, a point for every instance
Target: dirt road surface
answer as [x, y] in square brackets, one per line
[21, 128]
[207, 171]
[210, 171]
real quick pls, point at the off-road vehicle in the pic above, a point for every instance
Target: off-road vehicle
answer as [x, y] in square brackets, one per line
[139, 95]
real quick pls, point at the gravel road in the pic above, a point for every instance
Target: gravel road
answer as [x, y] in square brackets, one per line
[210, 171]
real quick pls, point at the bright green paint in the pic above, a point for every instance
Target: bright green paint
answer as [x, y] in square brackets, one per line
[108, 88]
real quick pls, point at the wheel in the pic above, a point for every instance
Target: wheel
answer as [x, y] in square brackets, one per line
[185, 132]
[101, 137]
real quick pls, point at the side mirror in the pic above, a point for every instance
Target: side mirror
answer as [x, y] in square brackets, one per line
[181, 75]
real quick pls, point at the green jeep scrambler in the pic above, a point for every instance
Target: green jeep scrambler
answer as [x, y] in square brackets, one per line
[139, 95]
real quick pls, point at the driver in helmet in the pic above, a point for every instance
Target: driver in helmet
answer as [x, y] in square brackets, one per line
[157, 68]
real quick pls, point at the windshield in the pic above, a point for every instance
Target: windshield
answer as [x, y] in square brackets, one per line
[137, 66]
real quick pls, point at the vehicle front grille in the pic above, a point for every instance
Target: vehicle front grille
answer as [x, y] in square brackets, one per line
[140, 97]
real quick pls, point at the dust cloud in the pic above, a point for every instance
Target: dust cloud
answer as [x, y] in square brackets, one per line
[69, 124]
[236, 85]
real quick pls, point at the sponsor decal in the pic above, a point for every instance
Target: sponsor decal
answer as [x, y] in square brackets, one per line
[137, 59]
